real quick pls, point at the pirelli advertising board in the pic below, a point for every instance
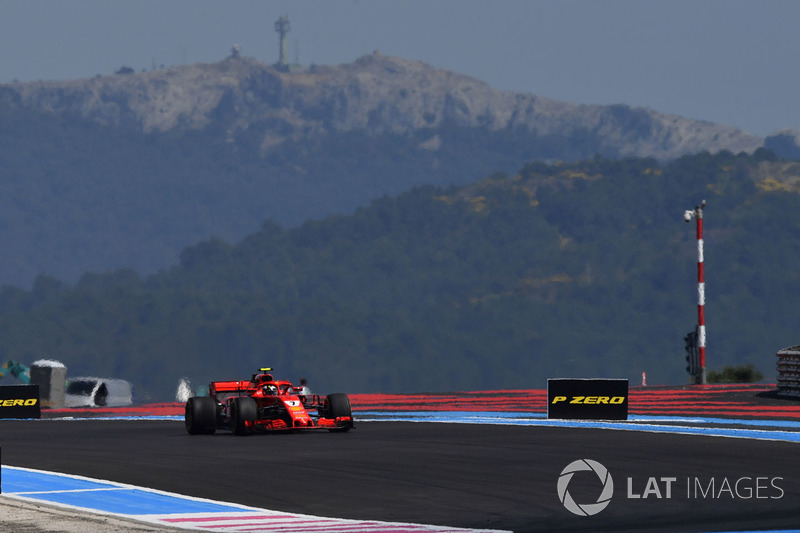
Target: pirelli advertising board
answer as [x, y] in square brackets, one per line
[587, 399]
[20, 401]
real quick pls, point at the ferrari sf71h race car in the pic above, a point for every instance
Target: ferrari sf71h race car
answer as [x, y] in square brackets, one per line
[263, 404]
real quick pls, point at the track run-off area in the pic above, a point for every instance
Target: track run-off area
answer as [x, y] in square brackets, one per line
[699, 458]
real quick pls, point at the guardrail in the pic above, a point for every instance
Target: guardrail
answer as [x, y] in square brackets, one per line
[789, 371]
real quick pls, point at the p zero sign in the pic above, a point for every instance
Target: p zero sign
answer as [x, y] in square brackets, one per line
[20, 401]
[587, 399]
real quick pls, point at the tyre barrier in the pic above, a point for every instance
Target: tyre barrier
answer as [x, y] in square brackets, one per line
[789, 372]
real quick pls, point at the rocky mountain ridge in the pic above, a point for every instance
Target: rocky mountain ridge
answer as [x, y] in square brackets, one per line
[376, 94]
[125, 171]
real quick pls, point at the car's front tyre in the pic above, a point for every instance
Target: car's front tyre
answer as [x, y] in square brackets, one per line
[243, 410]
[338, 406]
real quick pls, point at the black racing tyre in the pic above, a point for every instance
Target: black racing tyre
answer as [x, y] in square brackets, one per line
[243, 409]
[200, 415]
[338, 405]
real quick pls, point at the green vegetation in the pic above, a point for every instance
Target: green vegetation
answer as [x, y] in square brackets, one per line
[77, 196]
[736, 374]
[563, 270]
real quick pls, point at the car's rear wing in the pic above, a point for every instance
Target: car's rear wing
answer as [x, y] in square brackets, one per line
[228, 386]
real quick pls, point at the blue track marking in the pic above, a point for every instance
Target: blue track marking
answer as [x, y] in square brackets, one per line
[788, 431]
[104, 496]
[174, 510]
[512, 417]
[782, 430]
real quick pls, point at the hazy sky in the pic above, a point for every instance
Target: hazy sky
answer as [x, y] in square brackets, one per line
[727, 61]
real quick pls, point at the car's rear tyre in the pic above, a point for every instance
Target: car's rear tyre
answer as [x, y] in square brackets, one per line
[243, 409]
[200, 415]
[338, 405]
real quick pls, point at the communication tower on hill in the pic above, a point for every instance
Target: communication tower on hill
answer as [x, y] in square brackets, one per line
[282, 28]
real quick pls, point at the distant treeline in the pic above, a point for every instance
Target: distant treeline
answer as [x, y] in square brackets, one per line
[78, 196]
[560, 270]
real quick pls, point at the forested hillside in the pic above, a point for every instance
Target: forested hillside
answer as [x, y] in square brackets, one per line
[564, 270]
[124, 171]
[78, 196]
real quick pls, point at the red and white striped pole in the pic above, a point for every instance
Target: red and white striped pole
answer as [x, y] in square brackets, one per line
[697, 214]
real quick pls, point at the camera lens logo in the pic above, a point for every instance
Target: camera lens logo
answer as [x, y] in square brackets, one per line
[586, 509]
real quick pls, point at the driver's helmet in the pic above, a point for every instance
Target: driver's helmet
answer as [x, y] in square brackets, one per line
[270, 390]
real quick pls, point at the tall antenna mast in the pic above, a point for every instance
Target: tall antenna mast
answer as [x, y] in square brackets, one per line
[282, 27]
[697, 343]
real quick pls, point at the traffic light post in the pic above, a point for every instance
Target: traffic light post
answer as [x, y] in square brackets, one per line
[692, 359]
[697, 357]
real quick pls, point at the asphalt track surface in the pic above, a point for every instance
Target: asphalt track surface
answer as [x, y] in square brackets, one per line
[463, 475]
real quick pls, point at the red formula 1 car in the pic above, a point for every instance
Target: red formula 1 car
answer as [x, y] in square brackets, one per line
[262, 404]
